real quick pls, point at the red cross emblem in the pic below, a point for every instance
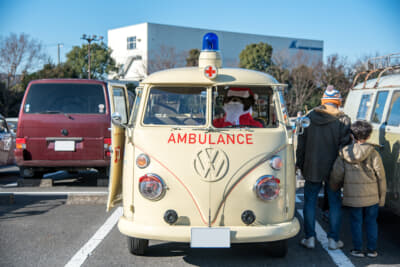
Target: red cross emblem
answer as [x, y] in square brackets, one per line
[210, 72]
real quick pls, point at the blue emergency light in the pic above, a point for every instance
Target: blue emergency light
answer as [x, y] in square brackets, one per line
[210, 42]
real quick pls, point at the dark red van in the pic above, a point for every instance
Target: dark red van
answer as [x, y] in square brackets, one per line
[63, 125]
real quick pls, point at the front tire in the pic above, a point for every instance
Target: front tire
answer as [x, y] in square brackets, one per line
[137, 246]
[102, 176]
[277, 249]
[30, 173]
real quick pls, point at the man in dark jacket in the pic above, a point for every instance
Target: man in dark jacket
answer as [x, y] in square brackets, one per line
[317, 150]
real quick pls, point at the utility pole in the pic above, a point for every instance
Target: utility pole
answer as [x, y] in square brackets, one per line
[90, 39]
[58, 49]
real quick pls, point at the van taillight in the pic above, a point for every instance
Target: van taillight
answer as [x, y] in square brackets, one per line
[107, 146]
[20, 143]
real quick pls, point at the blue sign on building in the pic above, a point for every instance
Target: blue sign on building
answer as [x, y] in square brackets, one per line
[294, 45]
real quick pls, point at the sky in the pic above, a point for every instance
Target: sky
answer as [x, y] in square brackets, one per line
[354, 29]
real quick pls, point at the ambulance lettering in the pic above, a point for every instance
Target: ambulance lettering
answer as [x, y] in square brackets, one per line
[209, 139]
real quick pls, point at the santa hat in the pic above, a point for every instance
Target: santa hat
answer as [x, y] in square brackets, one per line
[240, 92]
[331, 95]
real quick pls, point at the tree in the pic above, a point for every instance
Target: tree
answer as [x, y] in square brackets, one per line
[337, 72]
[367, 67]
[303, 85]
[192, 60]
[280, 74]
[101, 61]
[256, 57]
[10, 101]
[50, 71]
[165, 58]
[19, 54]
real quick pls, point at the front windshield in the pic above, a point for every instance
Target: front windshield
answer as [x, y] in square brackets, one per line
[243, 106]
[176, 106]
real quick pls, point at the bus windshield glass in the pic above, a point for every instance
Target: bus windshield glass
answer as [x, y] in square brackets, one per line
[176, 106]
[243, 106]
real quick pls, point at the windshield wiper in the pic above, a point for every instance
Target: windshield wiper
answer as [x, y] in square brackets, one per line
[51, 112]
[209, 129]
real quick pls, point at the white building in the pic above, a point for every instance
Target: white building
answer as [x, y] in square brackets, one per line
[143, 48]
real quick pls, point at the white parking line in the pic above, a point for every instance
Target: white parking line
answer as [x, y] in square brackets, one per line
[79, 258]
[55, 193]
[337, 255]
[95, 240]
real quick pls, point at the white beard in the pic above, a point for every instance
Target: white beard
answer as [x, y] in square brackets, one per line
[233, 111]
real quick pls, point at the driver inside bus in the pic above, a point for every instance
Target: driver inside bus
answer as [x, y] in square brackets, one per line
[237, 107]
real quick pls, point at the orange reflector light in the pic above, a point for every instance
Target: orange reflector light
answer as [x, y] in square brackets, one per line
[142, 161]
[276, 162]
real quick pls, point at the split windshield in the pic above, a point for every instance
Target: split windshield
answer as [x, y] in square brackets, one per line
[71, 98]
[176, 106]
[243, 106]
[188, 105]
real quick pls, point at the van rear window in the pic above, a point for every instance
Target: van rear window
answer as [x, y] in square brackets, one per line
[48, 98]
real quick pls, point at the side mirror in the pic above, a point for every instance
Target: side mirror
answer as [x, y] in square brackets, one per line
[116, 119]
[12, 127]
[301, 124]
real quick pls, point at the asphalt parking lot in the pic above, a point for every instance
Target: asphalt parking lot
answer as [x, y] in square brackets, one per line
[41, 226]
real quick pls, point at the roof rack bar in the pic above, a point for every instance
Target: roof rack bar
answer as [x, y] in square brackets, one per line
[356, 78]
[367, 76]
[383, 71]
[383, 62]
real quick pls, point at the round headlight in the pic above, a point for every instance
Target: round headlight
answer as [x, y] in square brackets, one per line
[267, 187]
[142, 161]
[152, 187]
[276, 162]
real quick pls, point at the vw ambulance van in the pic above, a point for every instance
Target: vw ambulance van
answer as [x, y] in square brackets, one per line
[64, 124]
[181, 177]
[377, 101]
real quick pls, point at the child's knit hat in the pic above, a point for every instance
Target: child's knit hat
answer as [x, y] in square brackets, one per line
[331, 95]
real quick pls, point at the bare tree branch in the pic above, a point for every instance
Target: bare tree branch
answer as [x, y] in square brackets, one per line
[19, 54]
[165, 58]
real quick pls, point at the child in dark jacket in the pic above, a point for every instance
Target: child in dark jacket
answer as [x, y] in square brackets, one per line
[360, 171]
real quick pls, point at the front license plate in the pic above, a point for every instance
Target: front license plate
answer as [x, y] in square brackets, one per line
[64, 146]
[210, 238]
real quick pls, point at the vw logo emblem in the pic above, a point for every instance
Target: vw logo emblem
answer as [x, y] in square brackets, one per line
[211, 164]
[64, 132]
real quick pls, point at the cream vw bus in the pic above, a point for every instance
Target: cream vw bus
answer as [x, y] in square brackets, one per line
[378, 102]
[181, 178]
